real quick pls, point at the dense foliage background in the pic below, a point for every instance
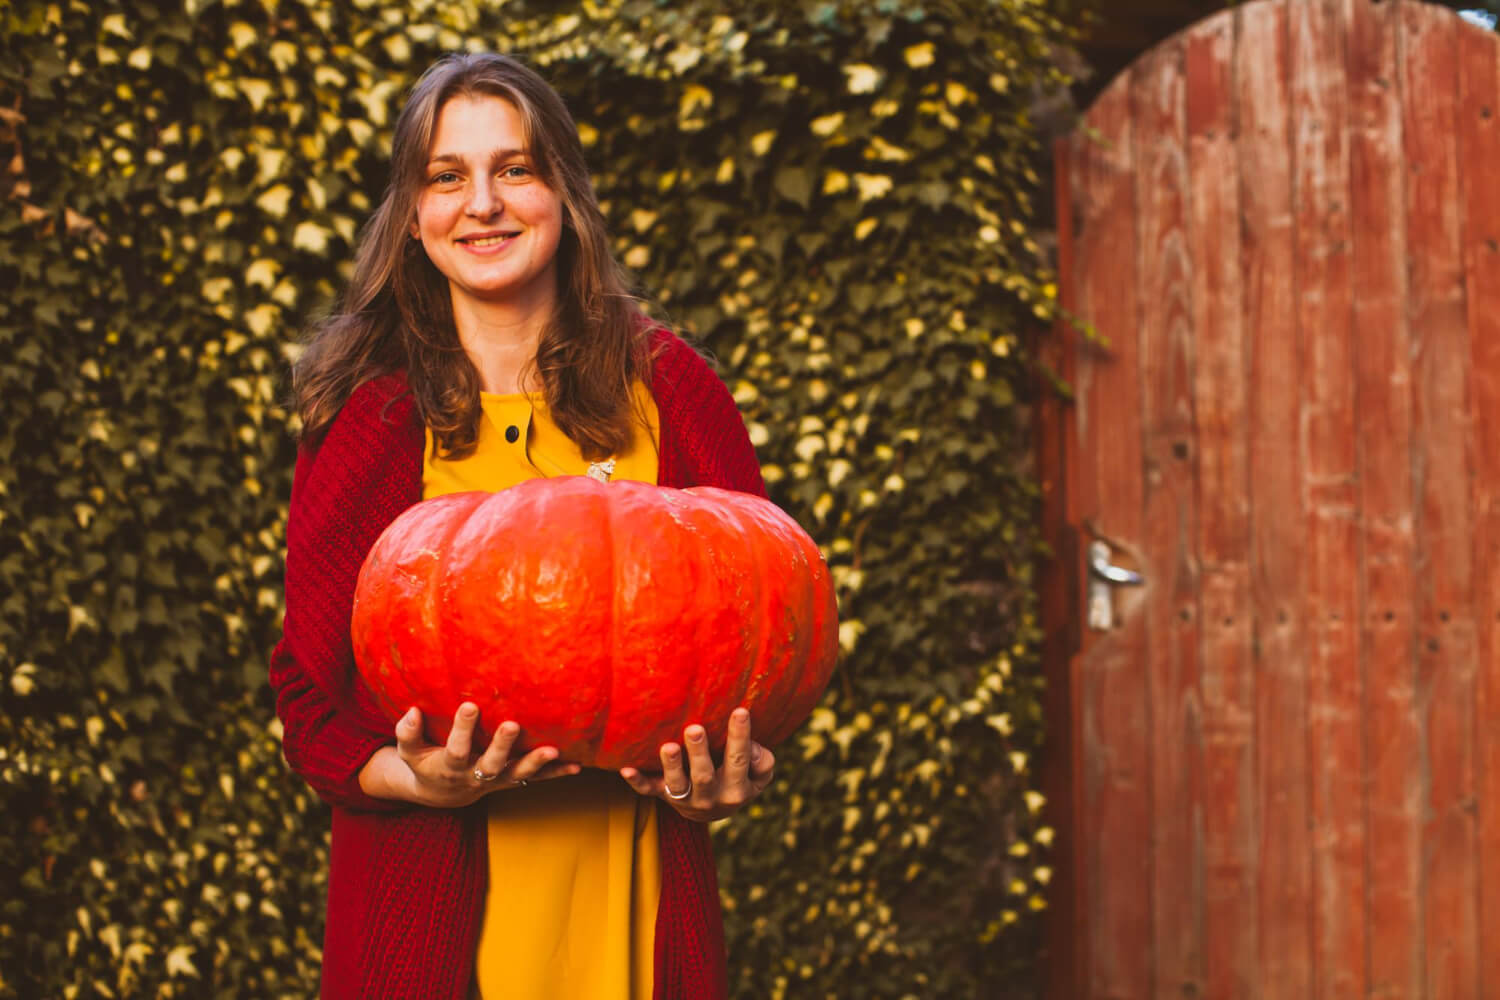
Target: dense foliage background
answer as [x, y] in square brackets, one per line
[834, 197]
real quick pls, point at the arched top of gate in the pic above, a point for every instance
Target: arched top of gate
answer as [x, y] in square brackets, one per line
[1228, 27]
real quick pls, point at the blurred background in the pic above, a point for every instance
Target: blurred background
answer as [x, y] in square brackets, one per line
[849, 203]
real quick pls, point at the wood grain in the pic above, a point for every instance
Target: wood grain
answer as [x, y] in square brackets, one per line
[1478, 131]
[1274, 486]
[1171, 612]
[1114, 811]
[1444, 612]
[1330, 497]
[1227, 683]
[1393, 731]
[1286, 776]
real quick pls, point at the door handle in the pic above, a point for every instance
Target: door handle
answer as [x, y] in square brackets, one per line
[1102, 573]
[1101, 567]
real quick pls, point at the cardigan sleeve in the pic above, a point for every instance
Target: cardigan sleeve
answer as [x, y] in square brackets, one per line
[344, 492]
[708, 434]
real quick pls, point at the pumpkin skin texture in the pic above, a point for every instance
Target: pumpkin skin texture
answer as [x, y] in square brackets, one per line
[602, 618]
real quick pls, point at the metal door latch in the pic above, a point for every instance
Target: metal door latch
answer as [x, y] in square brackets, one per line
[1102, 573]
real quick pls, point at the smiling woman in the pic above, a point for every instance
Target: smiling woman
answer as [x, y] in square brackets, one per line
[488, 337]
[490, 224]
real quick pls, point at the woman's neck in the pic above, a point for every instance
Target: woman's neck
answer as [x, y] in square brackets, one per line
[501, 339]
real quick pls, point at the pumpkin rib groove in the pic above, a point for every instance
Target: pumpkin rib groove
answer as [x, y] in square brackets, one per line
[611, 631]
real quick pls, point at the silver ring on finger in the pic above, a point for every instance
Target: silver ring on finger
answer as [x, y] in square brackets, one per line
[674, 796]
[519, 782]
[483, 778]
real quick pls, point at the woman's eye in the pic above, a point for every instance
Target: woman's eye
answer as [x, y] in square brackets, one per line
[446, 177]
[515, 172]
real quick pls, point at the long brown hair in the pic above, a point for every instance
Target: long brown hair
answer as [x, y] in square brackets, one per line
[397, 314]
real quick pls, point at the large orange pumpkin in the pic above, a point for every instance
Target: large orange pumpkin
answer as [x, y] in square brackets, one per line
[601, 617]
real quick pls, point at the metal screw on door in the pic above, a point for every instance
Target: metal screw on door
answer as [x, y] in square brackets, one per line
[1102, 573]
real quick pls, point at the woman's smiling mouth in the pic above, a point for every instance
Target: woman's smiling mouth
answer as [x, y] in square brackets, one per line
[485, 241]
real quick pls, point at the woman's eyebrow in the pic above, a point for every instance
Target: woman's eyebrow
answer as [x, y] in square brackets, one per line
[498, 154]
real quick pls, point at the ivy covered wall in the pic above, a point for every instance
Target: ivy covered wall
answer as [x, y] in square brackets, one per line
[834, 198]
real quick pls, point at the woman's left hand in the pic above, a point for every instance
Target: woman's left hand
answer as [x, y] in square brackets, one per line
[693, 787]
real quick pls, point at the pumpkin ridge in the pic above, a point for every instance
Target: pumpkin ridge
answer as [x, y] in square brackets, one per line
[608, 687]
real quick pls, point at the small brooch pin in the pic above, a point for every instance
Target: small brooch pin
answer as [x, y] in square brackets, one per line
[601, 470]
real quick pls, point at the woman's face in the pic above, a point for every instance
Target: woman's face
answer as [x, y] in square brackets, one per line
[485, 218]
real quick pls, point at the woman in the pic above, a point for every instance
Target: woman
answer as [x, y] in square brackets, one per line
[487, 336]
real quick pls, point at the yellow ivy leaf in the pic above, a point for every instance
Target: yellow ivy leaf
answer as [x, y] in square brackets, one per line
[694, 97]
[262, 318]
[587, 134]
[918, 56]
[827, 124]
[262, 272]
[872, 186]
[398, 48]
[865, 227]
[862, 78]
[882, 150]
[268, 163]
[835, 182]
[274, 200]
[725, 173]
[283, 54]
[849, 633]
[140, 58]
[760, 143]
[214, 289]
[256, 91]
[684, 58]
[311, 237]
[114, 24]
[180, 962]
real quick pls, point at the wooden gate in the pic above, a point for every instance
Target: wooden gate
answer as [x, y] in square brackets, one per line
[1277, 765]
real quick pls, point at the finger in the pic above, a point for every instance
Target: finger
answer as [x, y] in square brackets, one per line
[529, 766]
[700, 760]
[735, 773]
[409, 739]
[497, 754]
[640, 783]
[461, 736]
[762, 766]
[674, 775]
[556, 769]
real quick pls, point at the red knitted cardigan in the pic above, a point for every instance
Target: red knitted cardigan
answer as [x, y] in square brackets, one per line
[406, 883]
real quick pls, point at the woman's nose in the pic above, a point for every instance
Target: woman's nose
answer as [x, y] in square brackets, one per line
[483, 200]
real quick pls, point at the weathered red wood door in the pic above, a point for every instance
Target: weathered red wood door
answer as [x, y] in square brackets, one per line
[1277, 760]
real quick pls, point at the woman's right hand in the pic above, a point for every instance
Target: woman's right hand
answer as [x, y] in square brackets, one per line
[449, 776]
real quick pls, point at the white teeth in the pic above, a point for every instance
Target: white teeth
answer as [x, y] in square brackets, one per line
[488, 241]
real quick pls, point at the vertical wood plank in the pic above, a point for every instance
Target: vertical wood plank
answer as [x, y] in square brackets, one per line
[1440, 468]
[1274, 489]
[1383, 376]
[1330, 497]
[1056, 459]
[1220, 408]
[1170, 532]
[1478, 131]
[1114, 819]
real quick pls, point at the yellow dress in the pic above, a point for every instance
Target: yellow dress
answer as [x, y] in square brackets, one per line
[575, 865]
